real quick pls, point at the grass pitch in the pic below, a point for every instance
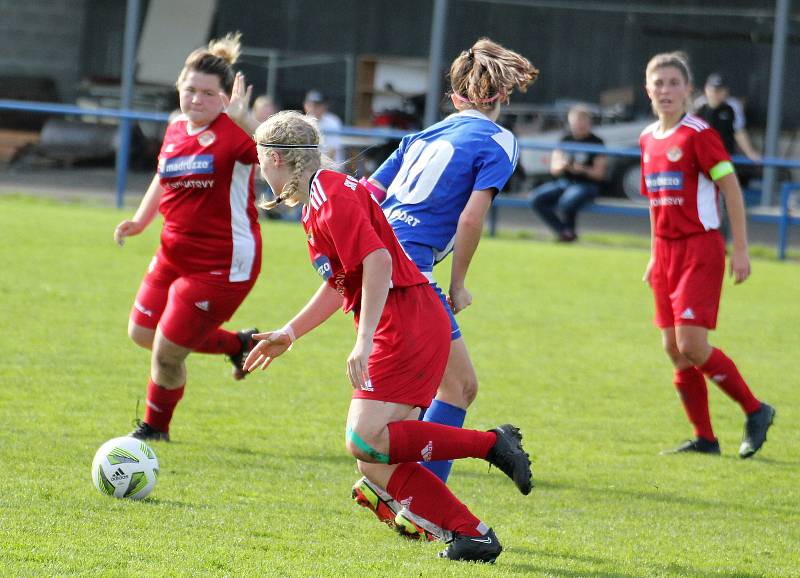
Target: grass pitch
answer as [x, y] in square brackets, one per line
[257, 481]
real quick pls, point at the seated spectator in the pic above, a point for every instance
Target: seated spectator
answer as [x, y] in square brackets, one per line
[316, 105]
[264, 107]
[725, 114]
[578, 176]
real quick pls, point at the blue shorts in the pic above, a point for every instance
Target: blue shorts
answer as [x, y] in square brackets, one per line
[424, 257]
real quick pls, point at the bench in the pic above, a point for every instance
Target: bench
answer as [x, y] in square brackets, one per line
[600, 206]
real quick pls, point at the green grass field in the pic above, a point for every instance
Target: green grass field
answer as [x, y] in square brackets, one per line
[257, 480]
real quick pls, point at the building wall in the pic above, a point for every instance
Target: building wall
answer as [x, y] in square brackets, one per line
[580, 53]
[43, 38]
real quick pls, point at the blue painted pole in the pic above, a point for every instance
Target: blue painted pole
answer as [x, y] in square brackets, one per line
[436, 51]
[783, 224]
[126, 93]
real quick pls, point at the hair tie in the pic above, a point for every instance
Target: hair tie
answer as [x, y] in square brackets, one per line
[479, 101]
[274, 145]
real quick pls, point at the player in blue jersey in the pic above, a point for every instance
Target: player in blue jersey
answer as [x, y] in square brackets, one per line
[436, 189]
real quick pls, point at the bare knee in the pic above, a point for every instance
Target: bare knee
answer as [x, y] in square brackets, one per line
[141, 336]
[671, 348]
[367, 446]
[692, 350]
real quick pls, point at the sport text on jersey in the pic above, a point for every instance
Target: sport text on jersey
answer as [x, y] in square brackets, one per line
[187, 165]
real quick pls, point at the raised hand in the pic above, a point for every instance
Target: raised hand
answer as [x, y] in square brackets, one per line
[237, 107]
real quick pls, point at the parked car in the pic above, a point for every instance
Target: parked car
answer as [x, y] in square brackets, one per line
[623, 176]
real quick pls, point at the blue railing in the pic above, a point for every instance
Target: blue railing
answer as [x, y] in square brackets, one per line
[784, 219]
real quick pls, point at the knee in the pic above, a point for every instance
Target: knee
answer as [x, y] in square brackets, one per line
[469, 390]
[165, 361]
[691, 350]
[671, 348]
[366, 447]
[141, 337]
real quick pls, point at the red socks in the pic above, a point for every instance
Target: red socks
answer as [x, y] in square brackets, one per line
[160, 404]
[691, 386]
[412, 440]
[428, 497]
[220, 341]
[722, 371]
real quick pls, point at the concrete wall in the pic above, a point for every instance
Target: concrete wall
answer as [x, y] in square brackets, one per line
[43, 38]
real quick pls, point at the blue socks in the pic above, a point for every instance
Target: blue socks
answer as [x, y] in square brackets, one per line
[446, 414]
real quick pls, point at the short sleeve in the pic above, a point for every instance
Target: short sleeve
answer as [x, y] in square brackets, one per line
[497, 162]
[346, 223]
[391, 166]
[711, 154]
[245, 151]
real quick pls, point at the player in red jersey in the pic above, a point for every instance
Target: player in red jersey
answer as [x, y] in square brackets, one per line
[210, 253]
[402, 343]
[684, 164]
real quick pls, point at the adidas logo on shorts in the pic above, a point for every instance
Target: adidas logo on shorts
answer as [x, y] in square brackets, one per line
[204, 305]
[687, 314]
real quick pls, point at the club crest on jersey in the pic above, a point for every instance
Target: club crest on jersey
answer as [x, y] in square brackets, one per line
[323, 266]
[674, 154]
[206, 138]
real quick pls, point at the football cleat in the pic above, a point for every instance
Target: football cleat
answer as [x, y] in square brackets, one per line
[755, 430]
[376, 499]
[485, 548]
[413, 527]
[145, 432]
[697, 445]
[237, 360]
[509, 457]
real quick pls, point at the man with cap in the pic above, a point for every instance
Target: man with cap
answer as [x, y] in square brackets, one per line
[725, 114]
[316, 105]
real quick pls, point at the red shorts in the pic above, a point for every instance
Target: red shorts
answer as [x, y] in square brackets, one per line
[187, 307]
[411, 347]
[687, 280]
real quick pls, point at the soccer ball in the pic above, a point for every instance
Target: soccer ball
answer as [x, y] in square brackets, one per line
[125, 468]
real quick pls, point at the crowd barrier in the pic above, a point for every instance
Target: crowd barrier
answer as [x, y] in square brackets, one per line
[784, 219]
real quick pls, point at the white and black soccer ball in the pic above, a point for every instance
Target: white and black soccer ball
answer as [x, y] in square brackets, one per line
[125, 468]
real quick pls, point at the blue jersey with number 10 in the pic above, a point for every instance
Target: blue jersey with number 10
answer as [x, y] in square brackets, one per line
[431, 175]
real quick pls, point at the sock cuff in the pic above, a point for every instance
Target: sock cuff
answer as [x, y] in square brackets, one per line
[158, 393]
[688, 375]
[445, 413]
[713, 361]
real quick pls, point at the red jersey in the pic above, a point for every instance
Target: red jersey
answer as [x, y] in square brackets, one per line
[344, 224]
[679, 168]
[210, 217]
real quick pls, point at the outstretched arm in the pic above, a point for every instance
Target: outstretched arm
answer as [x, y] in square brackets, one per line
[144, 214]
[272, 344]
[468, 235]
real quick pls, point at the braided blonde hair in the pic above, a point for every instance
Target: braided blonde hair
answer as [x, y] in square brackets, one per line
[290, 127]
[488, 72]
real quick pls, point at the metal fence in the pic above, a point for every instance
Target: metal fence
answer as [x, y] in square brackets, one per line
[784, 219]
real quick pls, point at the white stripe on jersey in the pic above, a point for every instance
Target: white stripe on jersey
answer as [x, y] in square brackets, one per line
[694, 122]
[707, 210]
[244, 243]
[317, 196]
[507, 142]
